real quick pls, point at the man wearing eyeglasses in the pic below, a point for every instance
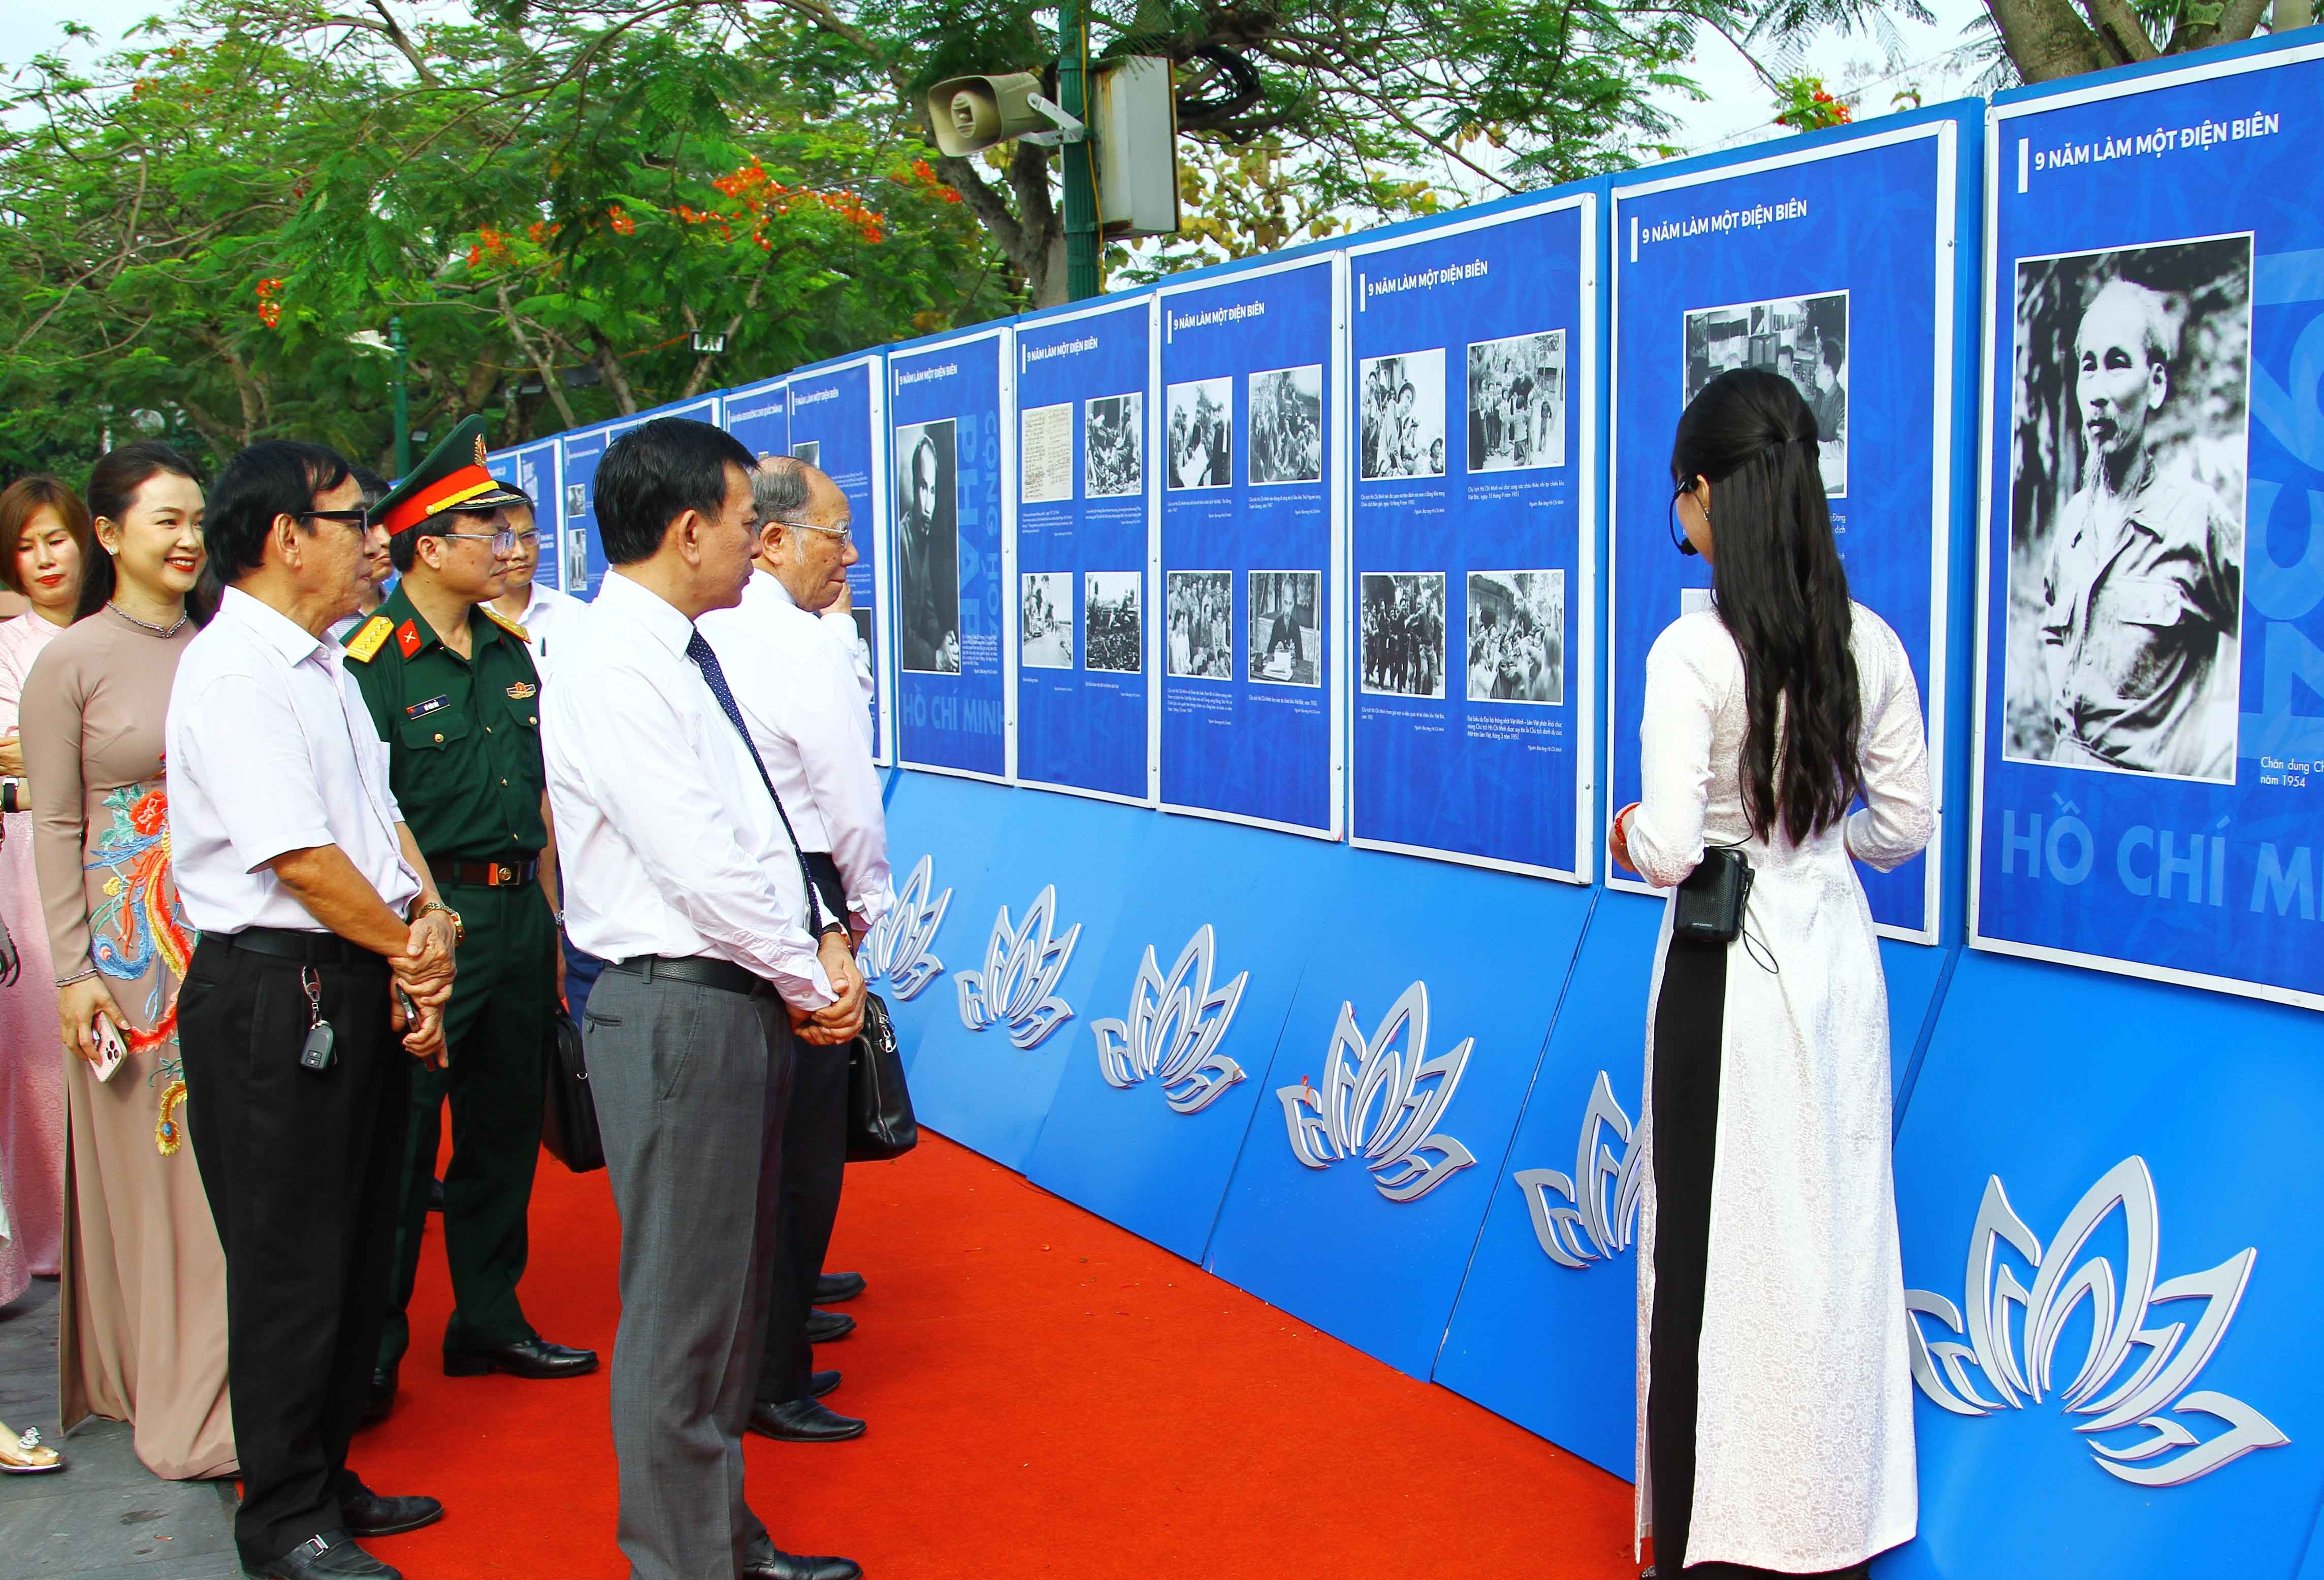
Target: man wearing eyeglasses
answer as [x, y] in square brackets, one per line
[793, 673]
[452, 690]
[544, 613]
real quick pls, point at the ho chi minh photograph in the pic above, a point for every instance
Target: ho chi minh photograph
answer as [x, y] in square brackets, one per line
[1285, 619]
[2129, 453]
[928, 546]
[1202, 624]
[1517, 402]
[1044, 455]
[1517, 636]
[1803, 338]
[1402, 621]
[1286, 425]
[809, 451]
[1116, 463]
[1112, 636]
[1045, 620]
[1402, 424]
[1201, 436]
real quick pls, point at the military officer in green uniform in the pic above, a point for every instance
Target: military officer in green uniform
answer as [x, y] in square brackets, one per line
[452, 689]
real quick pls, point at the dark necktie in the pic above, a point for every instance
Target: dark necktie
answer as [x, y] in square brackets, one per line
[698, 649]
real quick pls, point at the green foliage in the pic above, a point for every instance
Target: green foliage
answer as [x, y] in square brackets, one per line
[195, 229]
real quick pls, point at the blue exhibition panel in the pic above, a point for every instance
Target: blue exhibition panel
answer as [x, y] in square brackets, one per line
[941, 835]
[533, 468]
[1158, 1095]
[582, 553]
[2113, 1267]
[839, 425]
[1254, 489]
[2152, 719]
[760, 415]
[1832, 262]
[1403, 1061]
[1032, 937]
[953, 457]
[1085, 492]
[1474, 532]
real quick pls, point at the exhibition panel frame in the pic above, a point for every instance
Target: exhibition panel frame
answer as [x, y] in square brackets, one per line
[583, 558]
[838, 424]
[955, 702]
[1216, 759]
[1081, 726]
[1466, 661]
[760, 415]
[2120, 754]
[1776, 299]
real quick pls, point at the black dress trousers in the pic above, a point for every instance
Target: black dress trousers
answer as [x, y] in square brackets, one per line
[300, 1169]
[814, 1165]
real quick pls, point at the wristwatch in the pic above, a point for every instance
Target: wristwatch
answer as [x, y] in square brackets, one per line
[459, 929]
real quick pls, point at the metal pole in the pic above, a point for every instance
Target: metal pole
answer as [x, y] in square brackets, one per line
[396, 343]
[1080, 170]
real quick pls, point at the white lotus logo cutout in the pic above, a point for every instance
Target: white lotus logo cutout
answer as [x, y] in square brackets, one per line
[1599, 1215]
[1174, 1029]
[1380, 1100]
[1018, 983]
[897, 947]
[2141, 1360]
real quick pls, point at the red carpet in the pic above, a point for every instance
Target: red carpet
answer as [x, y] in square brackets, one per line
[1048, 1395]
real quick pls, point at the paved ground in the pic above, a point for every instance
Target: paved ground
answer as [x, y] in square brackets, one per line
[105, 1517]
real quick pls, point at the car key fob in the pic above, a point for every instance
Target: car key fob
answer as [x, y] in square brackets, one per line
[320, 1050]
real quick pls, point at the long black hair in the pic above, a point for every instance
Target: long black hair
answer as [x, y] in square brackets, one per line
[1783, 593]
[113, 486]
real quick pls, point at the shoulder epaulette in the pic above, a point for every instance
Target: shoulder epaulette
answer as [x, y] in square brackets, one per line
[365, 644]
[506, 624]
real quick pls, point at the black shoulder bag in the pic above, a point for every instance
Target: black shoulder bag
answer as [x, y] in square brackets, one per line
[1711, 901]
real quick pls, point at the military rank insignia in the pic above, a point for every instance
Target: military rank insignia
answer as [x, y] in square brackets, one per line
[407, 637]
[365, 645]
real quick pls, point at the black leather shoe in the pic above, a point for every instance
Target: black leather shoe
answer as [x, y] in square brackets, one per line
[329, 1556]
[823, 1327]
[821, 1383]
[781, 1566]
[803, 1421]
[379, 1399]
[831, 1288]
[372, 1515]
[527, 1357]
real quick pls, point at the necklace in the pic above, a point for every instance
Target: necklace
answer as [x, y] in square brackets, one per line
[172, 629]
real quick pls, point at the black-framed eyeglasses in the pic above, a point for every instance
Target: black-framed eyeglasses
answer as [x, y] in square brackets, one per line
[502, 541]
[358, 519]
[1679, 539]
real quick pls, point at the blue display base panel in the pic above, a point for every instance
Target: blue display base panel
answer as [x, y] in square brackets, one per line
[1545, 1333]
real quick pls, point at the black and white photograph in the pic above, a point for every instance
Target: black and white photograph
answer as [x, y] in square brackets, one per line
[1517, 636]
[576, 499]
[1286, 622]
[1286, 425]
[1044, 455]
[1201, 437]
[928, 546]
[1045, 620]
[1803, 338]
[1112, 636]
[2129, 451]
[1517, 402]
[809, 451]
[1202, 624]
[577, 559]
[1116, 463]
[1403, 619]
[1403, 419]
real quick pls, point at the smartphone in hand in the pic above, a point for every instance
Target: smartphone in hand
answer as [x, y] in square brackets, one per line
[111, 1050]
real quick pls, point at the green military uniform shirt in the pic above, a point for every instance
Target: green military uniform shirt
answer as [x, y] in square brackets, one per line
[463, 734]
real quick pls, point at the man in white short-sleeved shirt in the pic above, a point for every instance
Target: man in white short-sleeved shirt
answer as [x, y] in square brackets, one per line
[545, 614]
[324, 965]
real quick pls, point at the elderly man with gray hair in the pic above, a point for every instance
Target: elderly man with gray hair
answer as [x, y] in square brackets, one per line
[2142, 596]
[794, 672]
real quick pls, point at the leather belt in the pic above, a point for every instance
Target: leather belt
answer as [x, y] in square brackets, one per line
[485, 873]
[695, 968]
[287, 943]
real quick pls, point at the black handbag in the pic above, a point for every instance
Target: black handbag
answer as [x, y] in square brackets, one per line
[568, 1120]
[1710, 907]
[880, 1123]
